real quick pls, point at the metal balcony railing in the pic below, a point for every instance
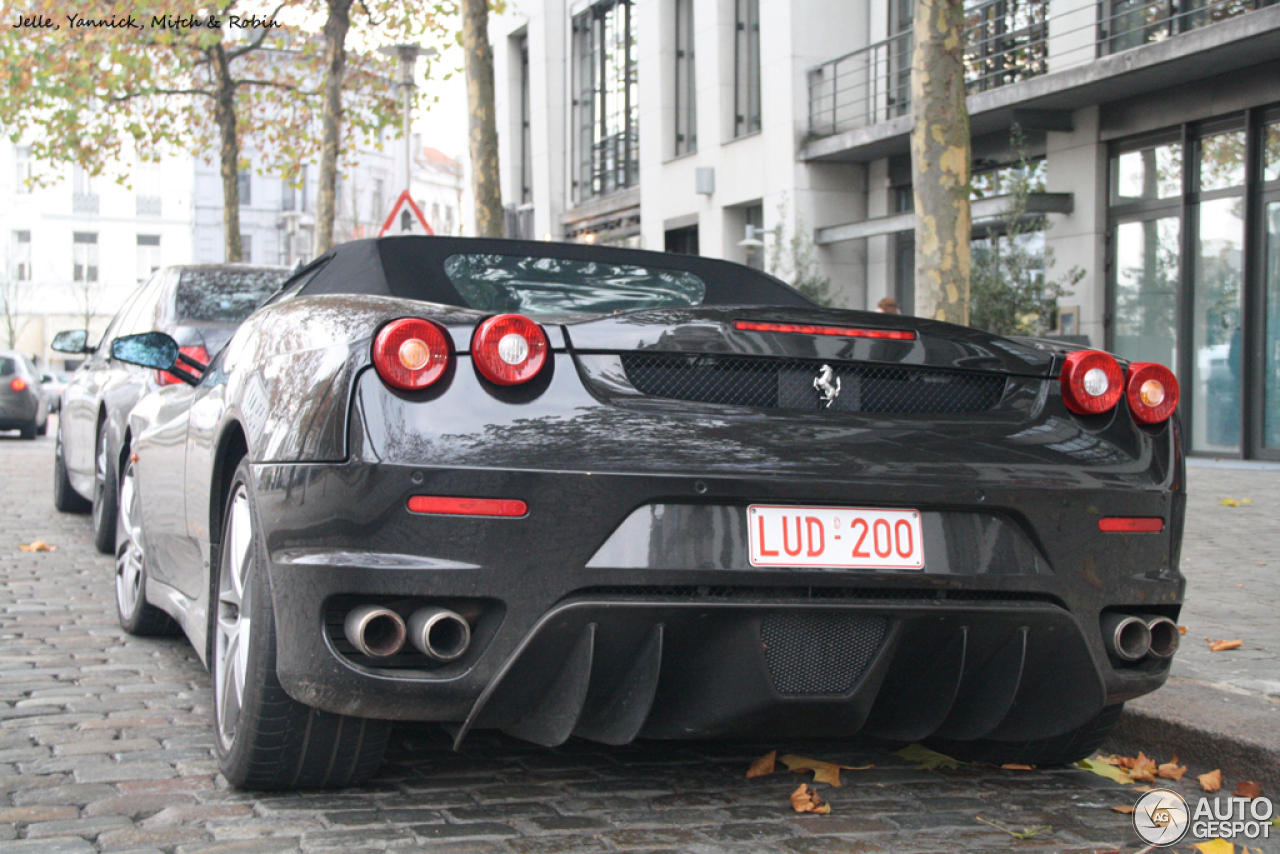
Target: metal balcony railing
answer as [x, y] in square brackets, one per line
[84, 203]
[1006, 41]
[147, 205]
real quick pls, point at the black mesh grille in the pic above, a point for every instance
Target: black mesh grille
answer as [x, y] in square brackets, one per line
[820, 653]
[789, 384]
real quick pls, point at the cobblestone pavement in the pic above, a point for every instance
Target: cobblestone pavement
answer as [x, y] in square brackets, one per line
[105, 745]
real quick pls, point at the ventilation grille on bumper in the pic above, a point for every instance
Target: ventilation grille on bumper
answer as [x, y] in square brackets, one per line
[820, 653]
[789, 384]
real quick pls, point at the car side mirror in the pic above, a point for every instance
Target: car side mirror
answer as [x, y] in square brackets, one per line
[71, 341]
[159, 351]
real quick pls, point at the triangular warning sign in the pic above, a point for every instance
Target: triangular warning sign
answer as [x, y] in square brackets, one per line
[405, 219]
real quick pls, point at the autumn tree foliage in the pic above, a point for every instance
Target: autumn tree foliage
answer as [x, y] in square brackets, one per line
[106, 97]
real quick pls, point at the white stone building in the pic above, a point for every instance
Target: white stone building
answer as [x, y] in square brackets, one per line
[674, 124]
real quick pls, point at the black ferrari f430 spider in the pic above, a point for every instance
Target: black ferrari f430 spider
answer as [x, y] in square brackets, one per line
[562, 490]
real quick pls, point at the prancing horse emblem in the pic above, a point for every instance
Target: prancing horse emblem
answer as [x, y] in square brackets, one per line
[826, 389]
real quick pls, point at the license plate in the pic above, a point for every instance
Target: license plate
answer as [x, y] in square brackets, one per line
[845, 537]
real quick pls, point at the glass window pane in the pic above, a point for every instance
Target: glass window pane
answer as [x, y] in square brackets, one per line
[1271, 154]
[1222, 161]
[1148, 174]
[1271, 347]
[1215, 394]
[1147, 290]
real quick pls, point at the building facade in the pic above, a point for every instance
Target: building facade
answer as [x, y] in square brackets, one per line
[1152, 128]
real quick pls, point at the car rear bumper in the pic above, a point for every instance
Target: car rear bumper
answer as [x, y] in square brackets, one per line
[625, 591]
[17, 409]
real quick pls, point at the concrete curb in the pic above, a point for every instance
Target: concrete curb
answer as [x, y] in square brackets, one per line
[1208, 728]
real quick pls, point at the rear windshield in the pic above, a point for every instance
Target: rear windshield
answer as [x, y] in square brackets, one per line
[8, 366]
[551, 286]
[224, 295]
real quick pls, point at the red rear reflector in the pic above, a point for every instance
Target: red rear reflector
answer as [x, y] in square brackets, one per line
[1131, 524]
[839, 331]
[18, 384]
[467, 506]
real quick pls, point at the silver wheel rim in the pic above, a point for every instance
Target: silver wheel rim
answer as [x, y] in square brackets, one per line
[129, 550]
[232, 644]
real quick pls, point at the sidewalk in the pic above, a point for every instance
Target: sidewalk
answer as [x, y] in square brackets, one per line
[1222, 709]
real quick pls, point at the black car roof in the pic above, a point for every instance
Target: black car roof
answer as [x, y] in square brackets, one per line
[413, 268]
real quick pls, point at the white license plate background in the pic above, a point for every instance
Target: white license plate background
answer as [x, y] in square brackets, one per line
[845, 537]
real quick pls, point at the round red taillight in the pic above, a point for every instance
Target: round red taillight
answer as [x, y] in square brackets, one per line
[1152, 391]
[509, 349]
[411, 353]
[18, 384]
[1092, 382]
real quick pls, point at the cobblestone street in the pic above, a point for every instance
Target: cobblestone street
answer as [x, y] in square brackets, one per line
[106, 745]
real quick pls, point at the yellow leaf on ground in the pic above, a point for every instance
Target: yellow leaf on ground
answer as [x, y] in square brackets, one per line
[805, 799]
[823, 772]
[1236, 502]
[1215, 846]
[1142, 768]
[1013, 766]
[38, 546]
[1126, 809]
[1247, 789]
[1104, 769]
[1182, 630]
[1212, 781]
[926, 759]
[762, 766]
[1224, 645]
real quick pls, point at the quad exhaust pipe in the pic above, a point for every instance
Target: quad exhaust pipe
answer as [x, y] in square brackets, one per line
[376, 631]
[439, 633]
[379, 632]
[1132, 637]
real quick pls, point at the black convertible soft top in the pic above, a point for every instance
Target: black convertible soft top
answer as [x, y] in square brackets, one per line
[415, 268]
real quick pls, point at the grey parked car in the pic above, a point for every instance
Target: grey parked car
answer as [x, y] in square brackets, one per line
[200, 307]
[23, 405]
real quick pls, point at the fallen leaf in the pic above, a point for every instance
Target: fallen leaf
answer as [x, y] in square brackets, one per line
[1104, 769]
[823, 772]
[1126, 809]
[762, 766]
[1025, 833]
[1142, 768]
[926, 759]
[1212, 781]
[805, 799]
[1215, 846]
[1224, 645]
[1171, 770]
[1236, 502]
[1182, 630]
[1248, 789]
[1143, 789]
[38, 546]
[1013, 766]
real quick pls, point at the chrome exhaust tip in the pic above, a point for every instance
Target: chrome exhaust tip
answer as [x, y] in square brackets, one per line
[439, 633]
[1165, 636]
[376, 631]
[1126, 637]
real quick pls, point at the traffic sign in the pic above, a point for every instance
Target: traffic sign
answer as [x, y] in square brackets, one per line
[405, 219]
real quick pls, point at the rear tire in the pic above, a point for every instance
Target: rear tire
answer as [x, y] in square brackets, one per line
[106, 494]
[137, 616]
[1079, 743]
[264, 738]
[43, 429]
[65, 497]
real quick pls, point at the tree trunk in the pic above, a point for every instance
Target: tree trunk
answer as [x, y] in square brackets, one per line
[224, 114]
[483, 142]
[940, 162]
[335, 65]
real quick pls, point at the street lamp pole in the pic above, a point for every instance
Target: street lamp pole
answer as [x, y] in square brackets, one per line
[408, 55]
